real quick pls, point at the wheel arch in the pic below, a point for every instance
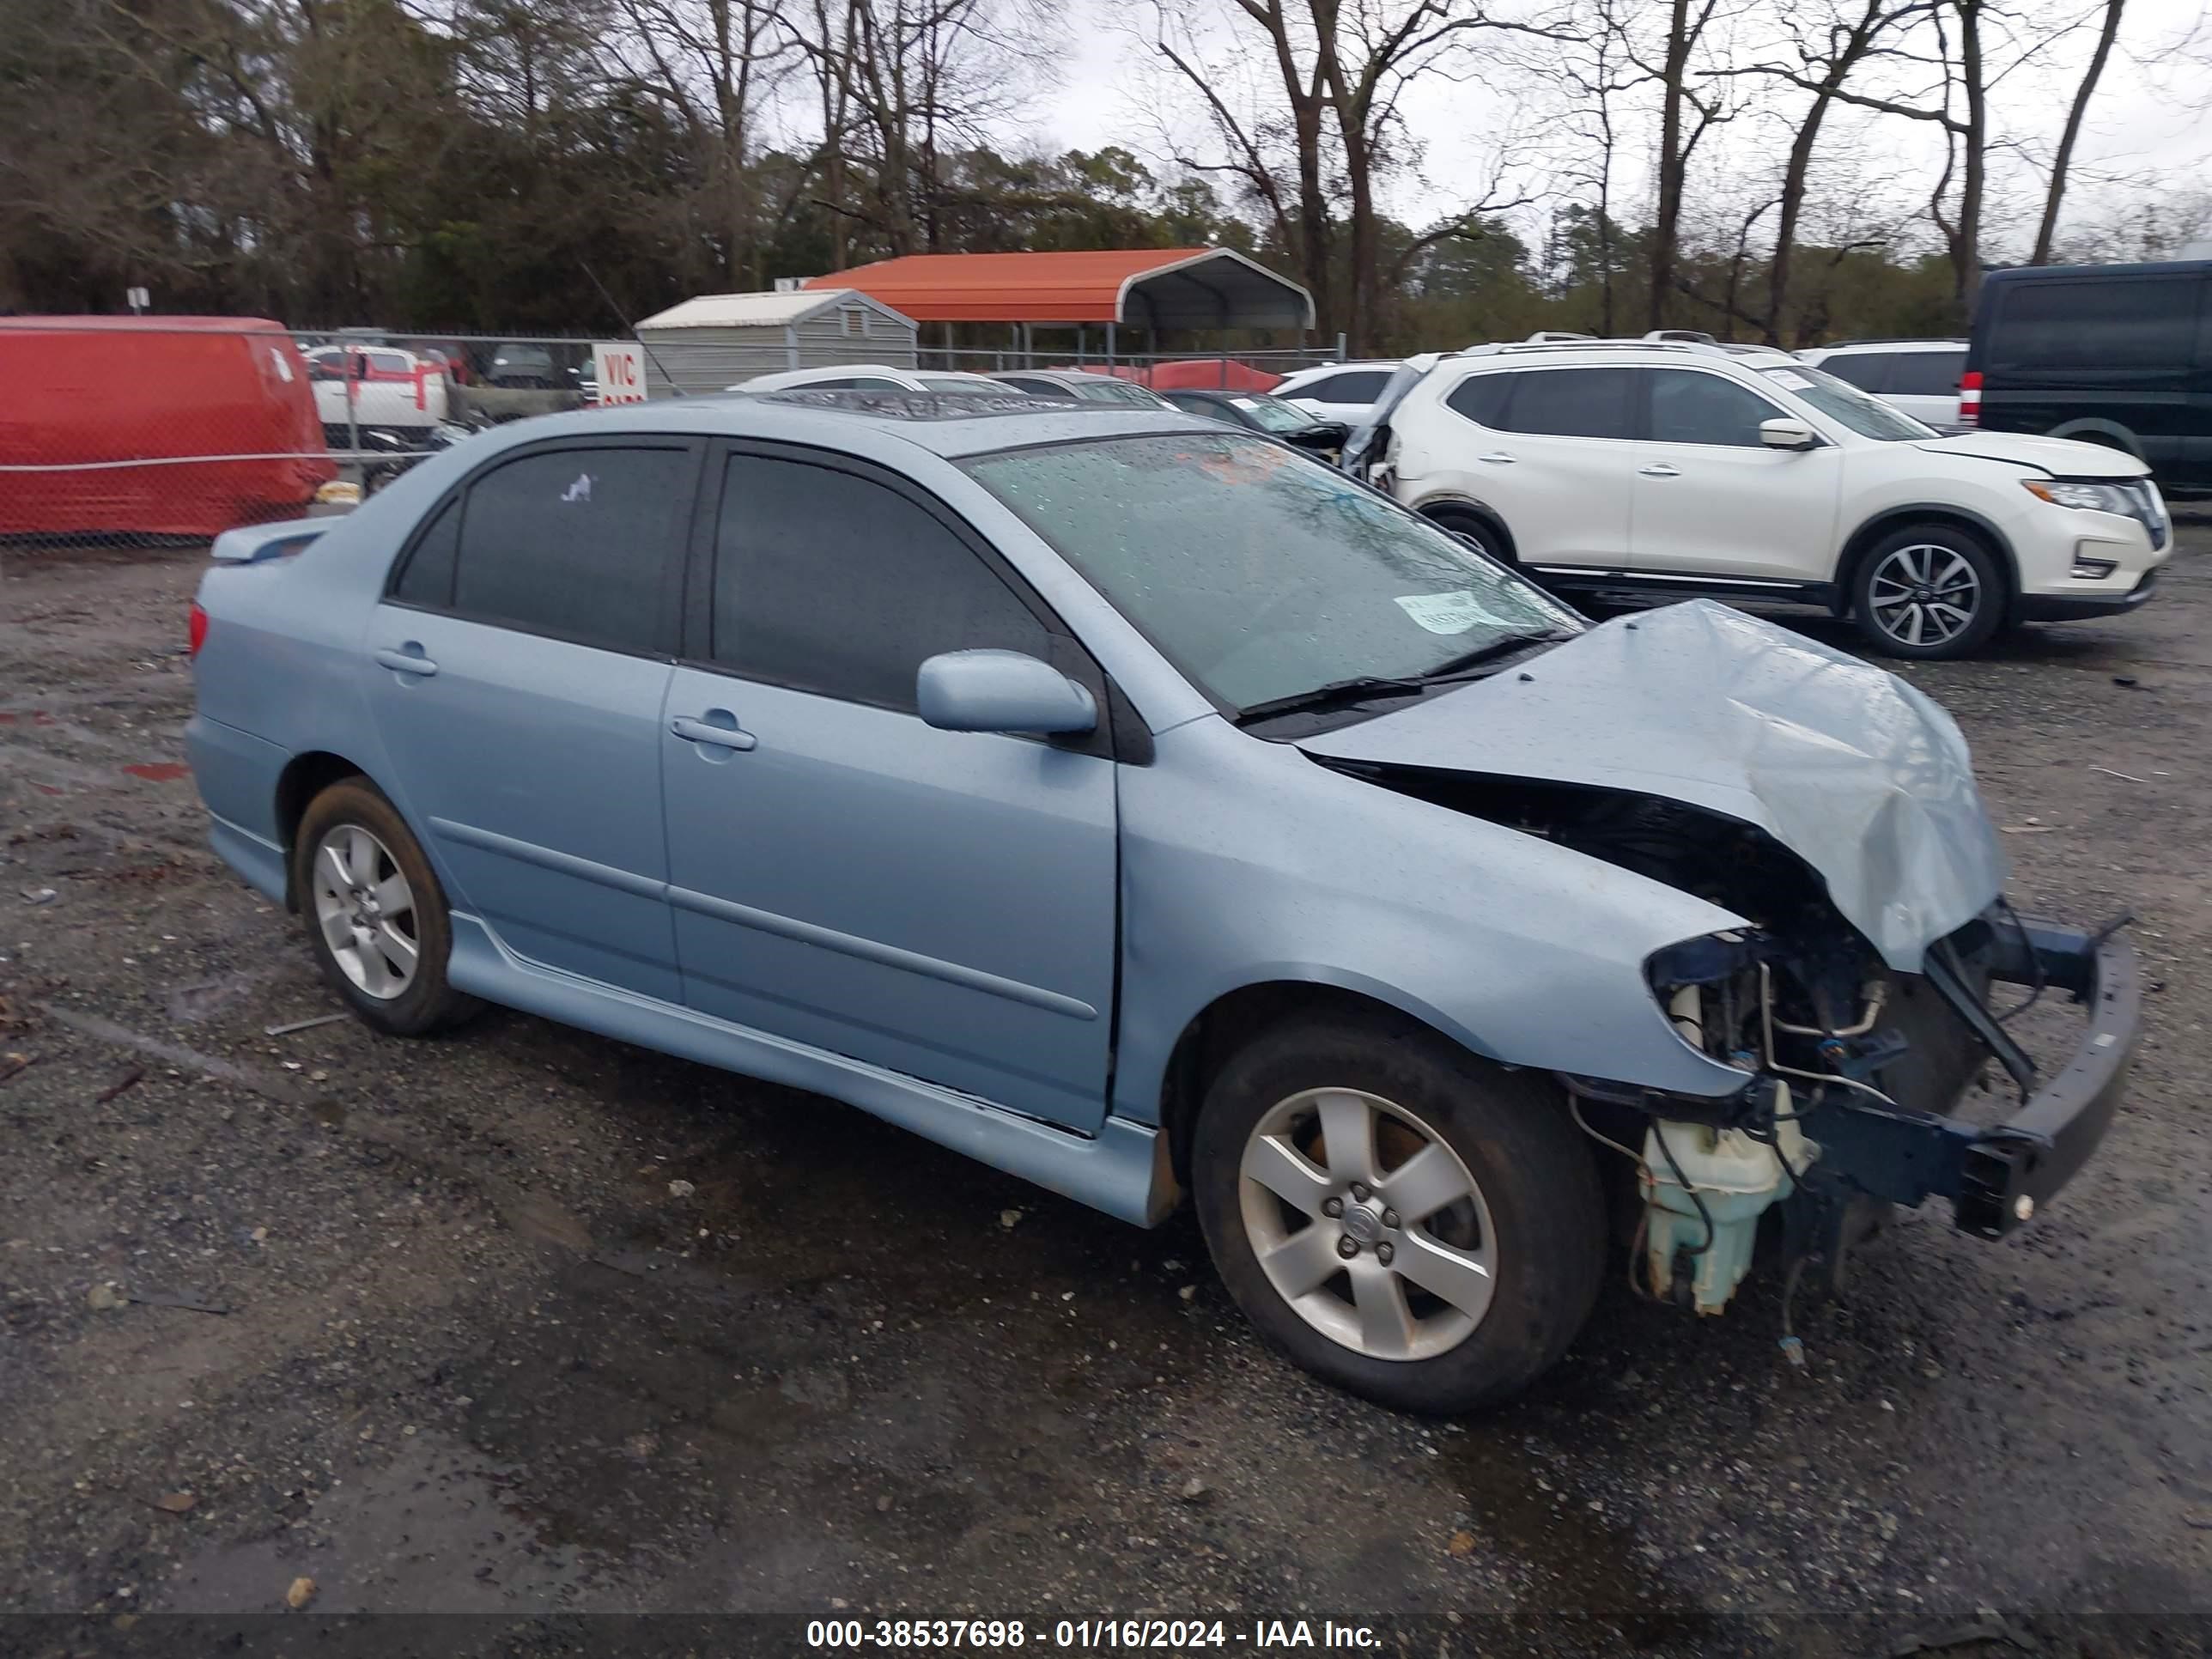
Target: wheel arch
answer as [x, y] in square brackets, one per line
[1861, 542]
[305, 776]
[2095, 429]
[1218, 1031]
[1436, 508]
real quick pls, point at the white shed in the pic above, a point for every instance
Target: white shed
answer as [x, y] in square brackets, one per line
[718, 339]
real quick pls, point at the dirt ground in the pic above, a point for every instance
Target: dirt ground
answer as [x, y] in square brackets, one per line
[525, 1323]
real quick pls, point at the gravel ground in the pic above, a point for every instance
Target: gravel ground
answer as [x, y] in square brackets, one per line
[521, 1321]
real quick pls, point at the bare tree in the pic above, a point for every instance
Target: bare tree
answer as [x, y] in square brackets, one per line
[2063, 159]
[1691, 104]
[1827, 52]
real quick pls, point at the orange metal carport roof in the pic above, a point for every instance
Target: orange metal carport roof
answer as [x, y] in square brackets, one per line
[1164, 287]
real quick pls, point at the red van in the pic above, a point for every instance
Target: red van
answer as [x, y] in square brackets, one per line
[170, 426]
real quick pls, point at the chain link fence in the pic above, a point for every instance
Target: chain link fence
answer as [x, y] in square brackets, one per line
[124, 430]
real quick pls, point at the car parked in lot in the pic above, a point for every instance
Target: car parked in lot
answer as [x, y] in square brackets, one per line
[1148, 810]
[1920, 377]
[873, 377]
[1082, 387]
[2113, 354]
[1658, 466]
[1257, 412]
[383, 387]
[1337, 391]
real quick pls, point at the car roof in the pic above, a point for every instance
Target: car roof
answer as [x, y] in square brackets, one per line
[1058, 376]
[948, 425]
[1858, 347]
[1313, 369]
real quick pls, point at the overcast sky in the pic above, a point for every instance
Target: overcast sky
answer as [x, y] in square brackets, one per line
[2148, 118]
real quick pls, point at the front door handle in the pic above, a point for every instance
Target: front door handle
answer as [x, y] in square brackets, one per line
[408, 659]
[1660, 469]
[1497, 458]
[712, 731]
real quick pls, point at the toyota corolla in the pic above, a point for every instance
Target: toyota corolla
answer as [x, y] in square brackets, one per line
[1145, 808]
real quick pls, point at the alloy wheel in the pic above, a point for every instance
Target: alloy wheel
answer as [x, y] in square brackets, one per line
[365, 910]
[1367, 1222]
[1924, 595]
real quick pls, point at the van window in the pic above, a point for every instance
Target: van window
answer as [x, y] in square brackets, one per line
[2128, 322]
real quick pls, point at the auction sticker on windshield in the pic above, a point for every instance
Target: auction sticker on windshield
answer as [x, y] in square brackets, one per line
[1450, 613]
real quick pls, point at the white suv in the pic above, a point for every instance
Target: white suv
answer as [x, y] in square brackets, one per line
[1666, 467]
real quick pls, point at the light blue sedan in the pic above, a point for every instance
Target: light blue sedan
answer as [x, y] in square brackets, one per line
[1143, 808]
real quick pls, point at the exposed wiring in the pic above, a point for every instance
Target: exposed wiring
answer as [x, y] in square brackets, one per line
[1703, 1215]
[1877, 994]
[1575, 1107]
[1767, 1020]
[2027, 946]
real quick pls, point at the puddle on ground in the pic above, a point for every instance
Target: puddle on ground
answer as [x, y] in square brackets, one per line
[431, 1531]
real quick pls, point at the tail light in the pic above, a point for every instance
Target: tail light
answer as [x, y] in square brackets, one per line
[1970, 397]
[196, 628]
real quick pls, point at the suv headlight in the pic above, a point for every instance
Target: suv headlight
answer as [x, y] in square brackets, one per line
[2094, 497]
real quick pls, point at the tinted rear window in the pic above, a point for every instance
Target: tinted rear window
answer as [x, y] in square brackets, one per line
[1867, 370]
[1924, 374]
[2133, 323]
[1363, 386]
[1571, 403]
[576, 542]
[1482, 398]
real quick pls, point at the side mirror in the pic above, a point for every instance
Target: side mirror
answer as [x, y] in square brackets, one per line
[1000, 691]
[1786, 435]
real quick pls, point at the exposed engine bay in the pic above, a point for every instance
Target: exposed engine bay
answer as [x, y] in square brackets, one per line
[1853, 1069]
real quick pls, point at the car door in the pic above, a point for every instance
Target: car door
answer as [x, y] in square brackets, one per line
[1712, 500]
[517, 669]
[1548, 449]
[939, 903]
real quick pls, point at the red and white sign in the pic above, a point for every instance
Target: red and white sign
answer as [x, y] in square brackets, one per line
[620, 370]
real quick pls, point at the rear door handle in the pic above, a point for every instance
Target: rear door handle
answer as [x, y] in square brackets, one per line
[408, 659]
[1660, 469]
[709, 731]
[1498, 458]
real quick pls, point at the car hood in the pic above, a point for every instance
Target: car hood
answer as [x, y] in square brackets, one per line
[2062, 457]
[1855, 771]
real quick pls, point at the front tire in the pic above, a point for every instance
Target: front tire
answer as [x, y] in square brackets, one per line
[1929, 592]
[1474, 529]
[1397, 1217]
[377, 919]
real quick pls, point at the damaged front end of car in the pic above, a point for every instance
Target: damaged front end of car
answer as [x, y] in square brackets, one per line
[1877, 972]
[1854, 1070]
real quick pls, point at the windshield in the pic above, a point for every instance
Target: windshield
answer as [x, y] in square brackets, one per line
[1259, 573]
[1273, 415]
[1839, 400]
[1116, 392]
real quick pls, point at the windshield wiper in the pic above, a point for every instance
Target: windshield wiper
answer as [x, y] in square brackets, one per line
[1457, 667]
[1362, 688]
[1336, 694]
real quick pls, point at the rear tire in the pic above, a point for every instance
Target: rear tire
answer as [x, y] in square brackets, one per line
[1447, 1306]
[1929, 592]
[377, 919]
[1474, 527]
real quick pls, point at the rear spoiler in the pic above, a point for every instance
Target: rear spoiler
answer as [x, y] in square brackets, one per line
[252, 543]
